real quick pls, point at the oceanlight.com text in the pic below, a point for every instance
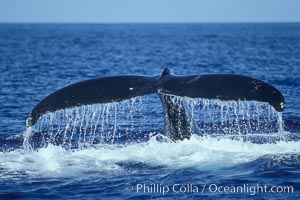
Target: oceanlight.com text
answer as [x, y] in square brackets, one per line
[163, 189]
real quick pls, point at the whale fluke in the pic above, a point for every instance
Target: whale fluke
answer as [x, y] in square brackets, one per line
[99, 90]
[117, 88]
[224, 87]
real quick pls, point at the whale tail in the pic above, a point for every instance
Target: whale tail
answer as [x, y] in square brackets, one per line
[117, 88]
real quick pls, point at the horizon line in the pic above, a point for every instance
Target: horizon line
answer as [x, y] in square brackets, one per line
[162, 22]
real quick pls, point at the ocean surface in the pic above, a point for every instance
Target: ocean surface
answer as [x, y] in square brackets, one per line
[242, 150]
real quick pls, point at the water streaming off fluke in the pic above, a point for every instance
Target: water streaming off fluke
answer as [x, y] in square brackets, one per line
[137, 119]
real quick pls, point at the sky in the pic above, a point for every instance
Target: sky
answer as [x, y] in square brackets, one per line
[147, 11]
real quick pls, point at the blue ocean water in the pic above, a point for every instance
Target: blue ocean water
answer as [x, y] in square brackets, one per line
[38, 59]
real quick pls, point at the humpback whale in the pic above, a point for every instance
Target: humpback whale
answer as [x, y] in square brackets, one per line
[167, 85]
